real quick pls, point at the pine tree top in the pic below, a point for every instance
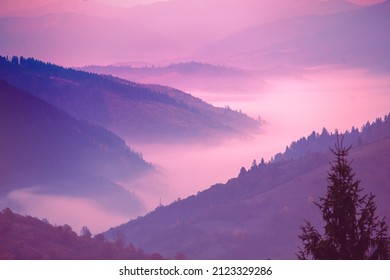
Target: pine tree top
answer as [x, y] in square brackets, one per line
[352, 229]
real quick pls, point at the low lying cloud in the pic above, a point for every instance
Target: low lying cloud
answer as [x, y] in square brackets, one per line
[293, 107]
[60, 210]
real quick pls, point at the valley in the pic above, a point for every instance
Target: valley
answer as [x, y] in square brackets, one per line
[196, 129]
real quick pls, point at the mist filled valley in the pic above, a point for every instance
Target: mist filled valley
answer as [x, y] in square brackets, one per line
[175, 132]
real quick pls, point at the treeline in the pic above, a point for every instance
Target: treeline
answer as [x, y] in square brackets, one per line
[308, 153]
[22, 71]
[315, 142]
[321, 142]
[28, 238]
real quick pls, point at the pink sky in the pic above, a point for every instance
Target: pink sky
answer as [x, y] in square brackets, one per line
[8, 5]
[155, 35]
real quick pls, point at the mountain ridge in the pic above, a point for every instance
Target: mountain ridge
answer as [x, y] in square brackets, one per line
[132, 111]
[257, 214]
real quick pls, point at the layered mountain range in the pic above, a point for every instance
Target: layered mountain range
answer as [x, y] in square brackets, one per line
[133, 111]
[67, 133]
[57, 138]
[296, 44]
[258, 214]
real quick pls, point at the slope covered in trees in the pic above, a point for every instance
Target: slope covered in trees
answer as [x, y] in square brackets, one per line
[133, 111]
[43, 146]
[321, 142]
[258, 214]
[28, 238]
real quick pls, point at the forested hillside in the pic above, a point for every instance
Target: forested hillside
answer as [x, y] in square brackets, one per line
[49, 152]
[258, 214]
[28, 238]
[132, 111]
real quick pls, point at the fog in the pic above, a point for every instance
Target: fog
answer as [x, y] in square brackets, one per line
[189, 168]
[292, 106]
[328, 97]
[60, 210]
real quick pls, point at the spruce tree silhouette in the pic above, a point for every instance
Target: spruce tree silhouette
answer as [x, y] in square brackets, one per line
[352, 230]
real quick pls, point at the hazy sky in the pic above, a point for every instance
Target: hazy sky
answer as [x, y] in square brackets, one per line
[132, 2]
[9, 5]
[129, 3]
[101, 35]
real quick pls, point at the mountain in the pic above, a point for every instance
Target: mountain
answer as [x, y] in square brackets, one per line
[355, 38]
[183, 68]
[46, 151]
[258, 214]
[133, 111]
[75, 34]
[189, 76]
[28, 238]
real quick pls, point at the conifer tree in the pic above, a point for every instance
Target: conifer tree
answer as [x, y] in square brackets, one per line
[352, 229]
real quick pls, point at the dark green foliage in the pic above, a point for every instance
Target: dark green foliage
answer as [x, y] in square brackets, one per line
[352, 230]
